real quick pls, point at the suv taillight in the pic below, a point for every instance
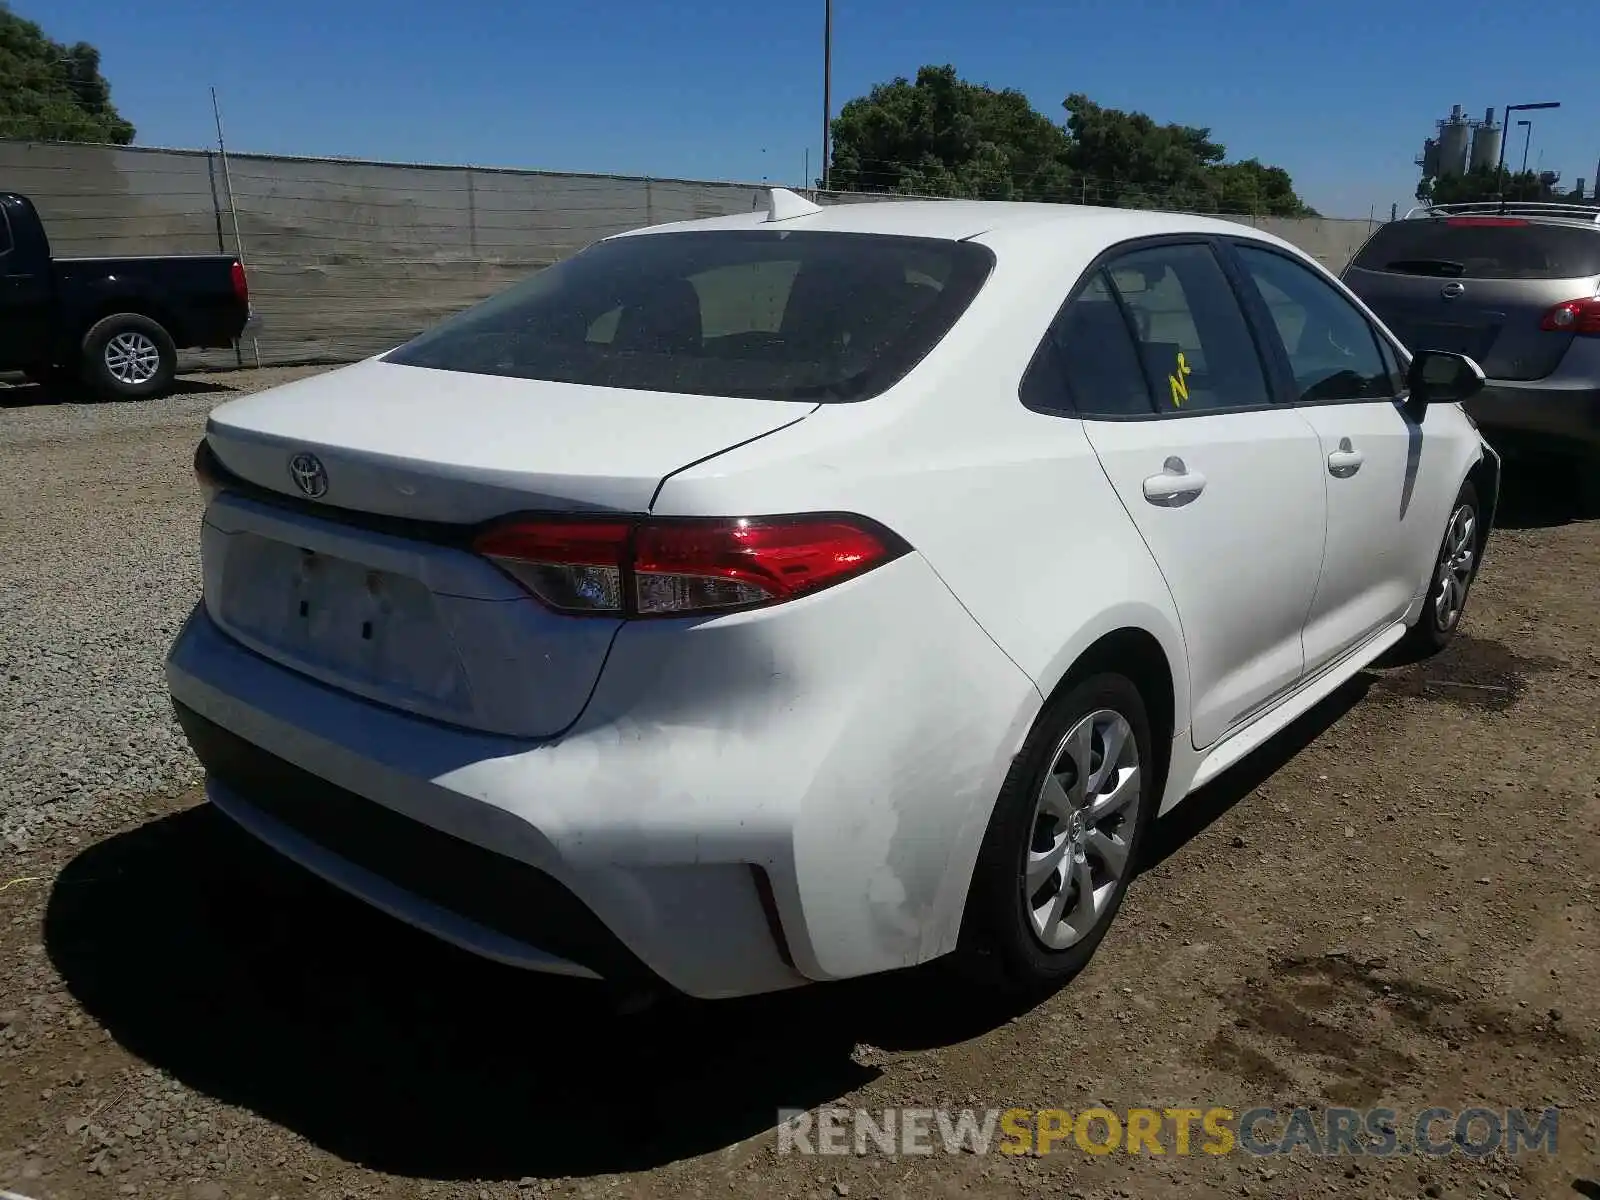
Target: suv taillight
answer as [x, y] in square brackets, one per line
[673, 566]
[241, 285]
[1574, 316]
[205, 472]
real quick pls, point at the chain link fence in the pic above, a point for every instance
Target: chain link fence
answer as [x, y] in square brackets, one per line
[346, 259]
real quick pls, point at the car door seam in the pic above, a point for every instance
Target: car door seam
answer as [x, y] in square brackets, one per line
[1322, 557]
[1032, 682]
[705, 458]
[1155, 561]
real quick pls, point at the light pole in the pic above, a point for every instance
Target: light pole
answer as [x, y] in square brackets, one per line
[827, 84]
[1499, 168]
[1526, 138]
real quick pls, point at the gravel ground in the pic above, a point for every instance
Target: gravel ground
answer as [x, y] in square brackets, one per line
[100, 566]
[1398, 903]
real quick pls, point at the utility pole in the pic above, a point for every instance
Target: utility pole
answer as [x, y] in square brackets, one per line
[1505, 118]
[233, 209]
[827, 85]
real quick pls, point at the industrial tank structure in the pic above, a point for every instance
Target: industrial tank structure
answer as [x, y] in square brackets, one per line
[1455, 134]
[1465, 144]
[1486, 143]
[1429, 162]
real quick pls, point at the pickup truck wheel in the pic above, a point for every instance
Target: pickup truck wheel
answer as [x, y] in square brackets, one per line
[127, 356]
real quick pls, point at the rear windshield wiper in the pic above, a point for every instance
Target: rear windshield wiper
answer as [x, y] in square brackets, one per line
[1426, 266]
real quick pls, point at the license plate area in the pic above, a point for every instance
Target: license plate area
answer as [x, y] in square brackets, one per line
[341, 621]
[1471, 340]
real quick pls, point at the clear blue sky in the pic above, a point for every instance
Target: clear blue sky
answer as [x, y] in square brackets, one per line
[1341, 95]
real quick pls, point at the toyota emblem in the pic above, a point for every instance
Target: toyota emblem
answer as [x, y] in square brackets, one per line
[309, 474]
[1452, 290]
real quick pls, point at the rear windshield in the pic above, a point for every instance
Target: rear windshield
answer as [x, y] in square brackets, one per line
[772, 314]
[1474, 251]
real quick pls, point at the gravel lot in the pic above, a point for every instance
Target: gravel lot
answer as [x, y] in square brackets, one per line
[1397, 904]
[101, 564]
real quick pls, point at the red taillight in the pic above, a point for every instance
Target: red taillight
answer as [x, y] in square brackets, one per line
[1482, 221]
[728, 564]
[1574, 316]
[572, 566]
[667, 567]
[241, 285]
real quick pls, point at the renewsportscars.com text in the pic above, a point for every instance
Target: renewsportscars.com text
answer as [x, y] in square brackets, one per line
[1435, 1131]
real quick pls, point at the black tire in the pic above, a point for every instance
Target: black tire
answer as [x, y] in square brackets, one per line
[999, 938]
[159, 356]
[1437, 624]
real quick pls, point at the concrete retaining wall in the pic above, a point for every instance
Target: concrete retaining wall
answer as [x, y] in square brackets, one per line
[349, 258]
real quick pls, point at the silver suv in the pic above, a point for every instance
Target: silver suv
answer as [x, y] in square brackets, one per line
[1516, 287]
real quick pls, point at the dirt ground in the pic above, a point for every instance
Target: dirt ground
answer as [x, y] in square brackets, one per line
[1397, 904]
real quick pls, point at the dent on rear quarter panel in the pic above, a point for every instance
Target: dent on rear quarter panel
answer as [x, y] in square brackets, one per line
[899, 806]
[890, 823]
[852, 742]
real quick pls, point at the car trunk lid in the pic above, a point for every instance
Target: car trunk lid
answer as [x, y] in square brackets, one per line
[345, 552]
[454, 447]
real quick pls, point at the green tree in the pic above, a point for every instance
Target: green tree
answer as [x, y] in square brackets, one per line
[1483, 183]
[53, 92]
[943, 136]
[1251, 187]
[1127, 159]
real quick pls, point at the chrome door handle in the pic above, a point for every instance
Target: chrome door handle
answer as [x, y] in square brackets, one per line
[1175, 486]
[1345, 461]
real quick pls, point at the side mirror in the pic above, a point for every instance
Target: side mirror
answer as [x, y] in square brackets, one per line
[1440, 377]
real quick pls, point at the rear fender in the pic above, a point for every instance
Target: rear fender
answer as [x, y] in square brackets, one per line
[102, 299]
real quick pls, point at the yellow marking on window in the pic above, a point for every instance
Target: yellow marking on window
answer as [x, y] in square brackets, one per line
[1179, 381]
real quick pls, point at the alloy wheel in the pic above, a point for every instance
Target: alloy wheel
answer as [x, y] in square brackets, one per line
[132, 358]
[1082, 829]
[1456, 562]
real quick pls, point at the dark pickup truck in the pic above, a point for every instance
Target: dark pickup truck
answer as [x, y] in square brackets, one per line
[112, 325]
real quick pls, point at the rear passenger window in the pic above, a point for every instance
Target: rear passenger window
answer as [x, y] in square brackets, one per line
[1193, 342]
[1088, 363]
[5, 232]
[1333, 351]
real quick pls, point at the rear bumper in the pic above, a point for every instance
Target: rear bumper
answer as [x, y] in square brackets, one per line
[211, 323]
[852, 756]
[484, 902]
[1546, 414]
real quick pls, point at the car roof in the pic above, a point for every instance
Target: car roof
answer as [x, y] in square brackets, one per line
[1529, 212]
[1513, 221]
[989, 221]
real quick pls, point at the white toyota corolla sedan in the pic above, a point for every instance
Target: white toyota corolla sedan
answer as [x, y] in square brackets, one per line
[808, 593]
